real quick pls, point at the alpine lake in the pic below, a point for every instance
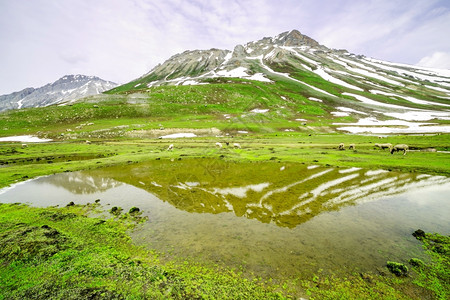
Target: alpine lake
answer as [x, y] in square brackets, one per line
[275, 220]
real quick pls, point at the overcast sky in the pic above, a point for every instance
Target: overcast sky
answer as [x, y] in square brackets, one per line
[120, 40]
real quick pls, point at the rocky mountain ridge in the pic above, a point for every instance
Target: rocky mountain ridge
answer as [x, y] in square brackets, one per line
[373, 92]
[182, 68]
[64, 90]
[292, 49]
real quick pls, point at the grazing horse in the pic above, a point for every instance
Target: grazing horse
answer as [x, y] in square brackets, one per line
[400, 147]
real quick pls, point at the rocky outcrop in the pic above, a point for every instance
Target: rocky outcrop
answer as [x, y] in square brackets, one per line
[187, 64]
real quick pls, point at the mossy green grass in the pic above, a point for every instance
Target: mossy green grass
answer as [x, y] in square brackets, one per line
[63, 254]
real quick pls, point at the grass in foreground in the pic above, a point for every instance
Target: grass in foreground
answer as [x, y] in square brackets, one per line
[60, 253]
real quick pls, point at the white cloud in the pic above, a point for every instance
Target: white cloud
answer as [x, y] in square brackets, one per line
[440, 60]
[378, 28]
[120, 40]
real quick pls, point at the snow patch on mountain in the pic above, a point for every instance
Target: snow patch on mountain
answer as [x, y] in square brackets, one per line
[373, 102]
[260, 58]
[241, 72]
[322, 73]
[409, 98]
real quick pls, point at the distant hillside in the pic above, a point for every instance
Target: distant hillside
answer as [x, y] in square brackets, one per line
[66, 89]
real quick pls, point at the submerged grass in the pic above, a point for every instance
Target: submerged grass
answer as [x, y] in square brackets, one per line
[63, 254]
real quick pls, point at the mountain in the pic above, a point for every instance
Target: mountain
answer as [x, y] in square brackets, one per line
[66, 89]
[371, 92]
[190, 67]
[289, 49]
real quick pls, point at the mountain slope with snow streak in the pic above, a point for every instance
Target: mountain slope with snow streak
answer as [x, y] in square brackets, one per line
[64, 90]
[384, 90]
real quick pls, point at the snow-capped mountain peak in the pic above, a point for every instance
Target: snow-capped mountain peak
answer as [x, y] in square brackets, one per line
[66, 89]
[368, 90]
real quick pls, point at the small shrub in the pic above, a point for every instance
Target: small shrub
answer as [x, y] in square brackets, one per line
[397, 268]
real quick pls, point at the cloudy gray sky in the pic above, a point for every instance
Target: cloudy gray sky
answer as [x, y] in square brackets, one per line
[119, 40]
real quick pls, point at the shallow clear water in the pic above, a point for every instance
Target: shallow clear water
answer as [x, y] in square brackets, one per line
[279, 220]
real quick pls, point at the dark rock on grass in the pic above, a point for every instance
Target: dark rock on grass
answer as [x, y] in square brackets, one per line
[397, 268]
[116, 210]
[133, 210]
[70, 204]
[419, 234]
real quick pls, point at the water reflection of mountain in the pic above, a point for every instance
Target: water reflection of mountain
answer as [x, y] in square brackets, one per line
[82, 183]
[286, 195]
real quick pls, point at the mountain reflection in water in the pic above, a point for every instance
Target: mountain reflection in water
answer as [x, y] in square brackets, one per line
[286, 196]
[292, 220]
[80, 183]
